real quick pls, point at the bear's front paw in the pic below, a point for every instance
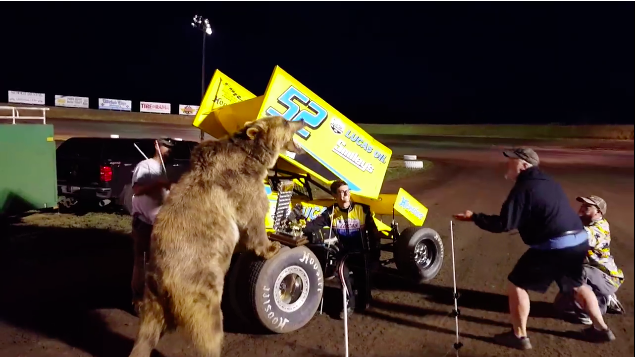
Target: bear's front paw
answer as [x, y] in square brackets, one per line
[274, 248]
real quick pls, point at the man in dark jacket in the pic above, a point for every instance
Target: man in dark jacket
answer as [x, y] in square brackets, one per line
[538, 207]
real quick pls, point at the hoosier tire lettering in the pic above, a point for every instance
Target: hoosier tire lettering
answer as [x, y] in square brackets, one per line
[307, 259]
[287, 289]
[279, 322]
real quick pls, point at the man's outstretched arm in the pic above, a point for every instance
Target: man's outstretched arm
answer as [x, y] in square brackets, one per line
[509, 218]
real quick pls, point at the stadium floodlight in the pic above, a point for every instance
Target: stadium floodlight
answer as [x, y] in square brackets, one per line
[204, 26]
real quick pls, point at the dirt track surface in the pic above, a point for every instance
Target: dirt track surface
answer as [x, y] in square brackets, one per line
[64, 291]
[65, 128]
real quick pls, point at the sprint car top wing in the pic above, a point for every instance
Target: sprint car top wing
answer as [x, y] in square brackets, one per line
[334, 146]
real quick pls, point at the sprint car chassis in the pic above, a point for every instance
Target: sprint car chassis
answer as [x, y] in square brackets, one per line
[284, 293]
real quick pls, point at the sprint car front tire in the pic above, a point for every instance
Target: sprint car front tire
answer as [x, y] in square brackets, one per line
[282, 293]
[419, 254]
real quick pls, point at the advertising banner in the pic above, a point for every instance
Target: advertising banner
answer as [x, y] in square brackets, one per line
[188, 109]
[115, 104]
[154, 107]
[26, 97]
[70, 101]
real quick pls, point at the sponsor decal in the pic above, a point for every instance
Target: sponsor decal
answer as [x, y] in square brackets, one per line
[337, 126]
[352, 157]
[406, 205]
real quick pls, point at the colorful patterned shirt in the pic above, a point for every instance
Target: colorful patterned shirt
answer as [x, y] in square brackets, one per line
[600, 253]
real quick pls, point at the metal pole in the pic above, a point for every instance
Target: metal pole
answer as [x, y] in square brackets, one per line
[344, 303]
[203, 79]
[456, 312]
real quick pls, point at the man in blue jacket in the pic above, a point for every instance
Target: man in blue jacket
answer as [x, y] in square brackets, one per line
[538, 207]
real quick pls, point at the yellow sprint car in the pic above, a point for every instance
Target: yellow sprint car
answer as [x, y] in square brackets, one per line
[283, 294]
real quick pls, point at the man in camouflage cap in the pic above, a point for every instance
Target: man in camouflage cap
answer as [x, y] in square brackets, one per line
[558, 243]
[602, 274]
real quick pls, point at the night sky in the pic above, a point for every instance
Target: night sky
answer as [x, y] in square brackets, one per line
[410, 62]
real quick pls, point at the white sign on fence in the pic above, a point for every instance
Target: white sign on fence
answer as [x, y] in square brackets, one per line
[26, 97]
[115, 104]
[188, 109]
[70, 101]
[153, 107]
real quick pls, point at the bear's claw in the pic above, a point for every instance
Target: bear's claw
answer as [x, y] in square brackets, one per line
[273, 249]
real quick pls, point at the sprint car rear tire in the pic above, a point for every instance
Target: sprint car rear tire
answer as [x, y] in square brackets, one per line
[419, 253]
[282, 293]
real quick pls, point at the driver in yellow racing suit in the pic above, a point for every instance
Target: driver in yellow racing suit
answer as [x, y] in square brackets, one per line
[353, 225]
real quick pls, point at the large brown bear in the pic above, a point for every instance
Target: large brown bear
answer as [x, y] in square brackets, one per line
[218, 204]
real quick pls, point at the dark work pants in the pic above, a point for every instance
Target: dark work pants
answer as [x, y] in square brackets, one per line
[141, 233]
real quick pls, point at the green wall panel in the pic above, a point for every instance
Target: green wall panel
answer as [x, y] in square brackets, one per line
[28, 177]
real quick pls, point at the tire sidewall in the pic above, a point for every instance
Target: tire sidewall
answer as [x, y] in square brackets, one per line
[305, 264]
[408, 240]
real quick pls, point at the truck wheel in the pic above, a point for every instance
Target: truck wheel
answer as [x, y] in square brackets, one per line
[66, 204]
[285, 291]
[419, 253]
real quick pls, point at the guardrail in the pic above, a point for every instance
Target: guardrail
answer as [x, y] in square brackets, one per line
[15, 113]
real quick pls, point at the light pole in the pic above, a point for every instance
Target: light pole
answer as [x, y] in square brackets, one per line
[202, 24]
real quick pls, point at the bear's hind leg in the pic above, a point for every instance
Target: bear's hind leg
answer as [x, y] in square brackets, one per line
[151, 326]
[202, 319]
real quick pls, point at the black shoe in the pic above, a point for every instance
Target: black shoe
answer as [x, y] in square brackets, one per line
[599, 336]
[509, 339]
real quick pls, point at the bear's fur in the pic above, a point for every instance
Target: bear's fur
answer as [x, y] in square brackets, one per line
[219, 203]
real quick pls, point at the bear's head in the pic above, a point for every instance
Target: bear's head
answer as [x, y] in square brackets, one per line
[273, 135]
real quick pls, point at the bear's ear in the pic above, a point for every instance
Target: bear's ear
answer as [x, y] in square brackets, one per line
[248, 123]
[252, 132]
